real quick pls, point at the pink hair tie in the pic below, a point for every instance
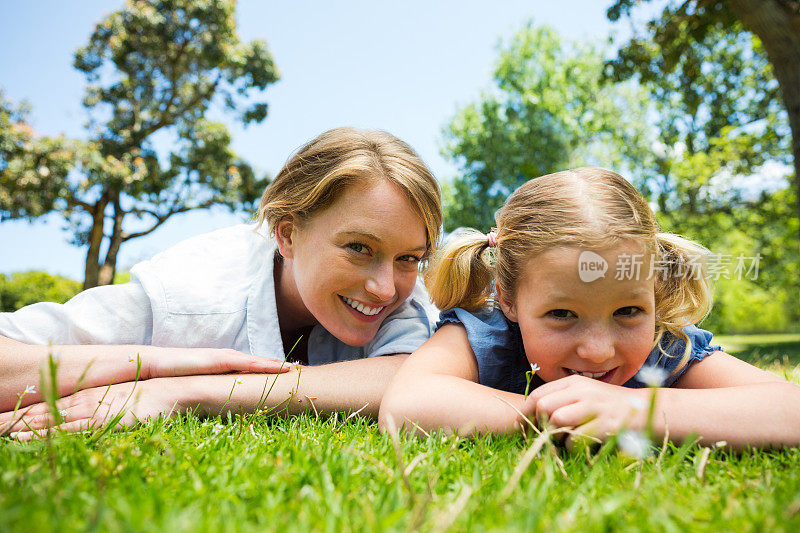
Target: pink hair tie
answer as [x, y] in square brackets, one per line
[492, 237]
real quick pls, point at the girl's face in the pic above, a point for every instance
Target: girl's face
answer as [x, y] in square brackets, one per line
[603, 328]
[352, 264]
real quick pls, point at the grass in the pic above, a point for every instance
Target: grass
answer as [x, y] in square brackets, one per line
[331, 474]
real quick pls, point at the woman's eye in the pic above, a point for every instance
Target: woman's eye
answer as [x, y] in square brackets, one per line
[628, 312]
[358, 247]
[561, 314]
[410, 259]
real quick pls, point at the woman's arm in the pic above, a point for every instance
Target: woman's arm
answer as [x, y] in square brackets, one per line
[437, 388]
[88, 366]
[347, 386]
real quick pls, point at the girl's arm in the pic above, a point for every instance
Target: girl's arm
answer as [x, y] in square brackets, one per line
[718, 399]
[352, 386]
[724, 398]
[437, 388]
[88, 366]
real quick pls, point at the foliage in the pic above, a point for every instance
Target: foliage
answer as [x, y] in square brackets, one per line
[722, 128]
[546, 111]
[153, 69]
[24, 288]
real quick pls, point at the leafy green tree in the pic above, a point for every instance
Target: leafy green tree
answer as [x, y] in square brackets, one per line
[547, 110]
[23, 288]
[693, 45]
[153, 68]
[722, 124]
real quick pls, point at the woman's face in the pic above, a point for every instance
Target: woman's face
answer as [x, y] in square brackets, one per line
[602, 328]
[352, 264]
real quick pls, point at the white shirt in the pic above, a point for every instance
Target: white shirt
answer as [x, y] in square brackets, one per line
[215, 291]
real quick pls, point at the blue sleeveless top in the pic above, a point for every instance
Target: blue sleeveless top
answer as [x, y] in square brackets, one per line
[497, 344]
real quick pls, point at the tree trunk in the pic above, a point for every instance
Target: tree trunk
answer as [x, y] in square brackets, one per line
[777, 24]
[109, 268]
[92, 272]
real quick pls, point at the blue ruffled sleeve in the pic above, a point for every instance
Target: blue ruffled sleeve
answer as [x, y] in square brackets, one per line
[661, 366]
[497, 345]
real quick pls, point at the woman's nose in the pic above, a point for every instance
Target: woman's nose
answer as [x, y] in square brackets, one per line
[380, 282]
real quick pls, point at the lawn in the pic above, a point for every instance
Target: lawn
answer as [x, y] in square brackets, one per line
[333, 474]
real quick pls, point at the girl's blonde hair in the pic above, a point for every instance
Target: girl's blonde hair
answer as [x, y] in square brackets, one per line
[585, 208]
[314, 177]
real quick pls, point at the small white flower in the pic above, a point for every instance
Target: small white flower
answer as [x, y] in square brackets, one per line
[63, 413]
[238, 381]
[634, 443]
[131, 359]
[535, 368]
[637, 403]
[217, 428]
[652, 376]
[30, 389]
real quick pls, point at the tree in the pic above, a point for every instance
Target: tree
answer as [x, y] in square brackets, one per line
[546, 111]
[722, 124]
[153, 69]
[24, 288]
[686, 29]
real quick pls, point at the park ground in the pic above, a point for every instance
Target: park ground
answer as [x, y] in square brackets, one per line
[341, 474]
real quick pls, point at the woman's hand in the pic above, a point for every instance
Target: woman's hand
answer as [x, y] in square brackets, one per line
[596, 410]
[87, 409]
[188, 362]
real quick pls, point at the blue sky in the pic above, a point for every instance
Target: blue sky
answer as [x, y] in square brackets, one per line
[404, 67]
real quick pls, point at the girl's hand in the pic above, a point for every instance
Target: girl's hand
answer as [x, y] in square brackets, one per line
[595, 409]
[94, 408]
[180, 362]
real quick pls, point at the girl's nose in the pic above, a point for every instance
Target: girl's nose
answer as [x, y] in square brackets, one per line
[597, 345]
[380, 282]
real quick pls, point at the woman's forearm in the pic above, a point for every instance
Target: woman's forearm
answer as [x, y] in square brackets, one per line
[79, 367]
[345, 386]
[440, 402]
[761, 414]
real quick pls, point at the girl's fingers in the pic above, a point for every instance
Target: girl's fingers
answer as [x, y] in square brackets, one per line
[573, 414]
[552, 386]
[558, 399]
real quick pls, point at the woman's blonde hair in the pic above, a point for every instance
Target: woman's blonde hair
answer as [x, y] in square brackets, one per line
[586, 208]
[314, 177]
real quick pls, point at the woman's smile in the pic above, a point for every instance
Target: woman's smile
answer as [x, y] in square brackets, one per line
[366, 312]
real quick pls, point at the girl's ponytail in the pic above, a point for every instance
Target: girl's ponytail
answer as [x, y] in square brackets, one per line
[682, 291]
[460, 275]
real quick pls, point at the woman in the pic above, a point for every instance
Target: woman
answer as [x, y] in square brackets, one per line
[331, 271]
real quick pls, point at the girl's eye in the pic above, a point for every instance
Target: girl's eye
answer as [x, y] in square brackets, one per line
[410, 259]
[628, 312]
[561, 314]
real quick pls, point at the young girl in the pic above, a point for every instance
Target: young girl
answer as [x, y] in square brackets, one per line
[333, 263]
[601, 305]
